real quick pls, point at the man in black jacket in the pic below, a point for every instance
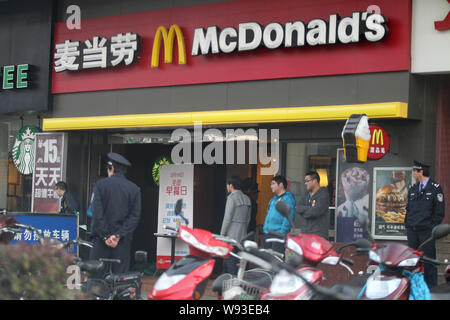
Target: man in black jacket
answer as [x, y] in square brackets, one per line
[68, 203]
[313, 208]
[425, 209]
[116, 210]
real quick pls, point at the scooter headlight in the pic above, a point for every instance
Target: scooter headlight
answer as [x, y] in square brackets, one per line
[374, 256]
[285, 283]
[294, 246]
[412, 262]
[165, 282]
[215, 250]
[378, 288]
[331, 260]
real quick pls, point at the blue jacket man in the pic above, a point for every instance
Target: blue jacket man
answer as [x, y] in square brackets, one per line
[275, 221]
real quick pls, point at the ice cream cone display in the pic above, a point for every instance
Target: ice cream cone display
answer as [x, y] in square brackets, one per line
[356, 138]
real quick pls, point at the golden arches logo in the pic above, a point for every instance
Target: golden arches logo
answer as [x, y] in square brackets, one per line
[168, 38]
[377, 135]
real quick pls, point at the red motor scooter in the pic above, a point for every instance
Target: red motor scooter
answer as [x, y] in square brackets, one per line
[8, 228]
[396, 262]
[186, 279]
[314, 250]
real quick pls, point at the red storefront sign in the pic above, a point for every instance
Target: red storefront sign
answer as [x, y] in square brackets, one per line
[216, 46]
[379, 143]
[443, 24]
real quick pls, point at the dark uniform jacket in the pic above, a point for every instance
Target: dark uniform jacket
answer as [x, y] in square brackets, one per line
[68, 203]
[425, 209]
[314, 213]
[116, 207]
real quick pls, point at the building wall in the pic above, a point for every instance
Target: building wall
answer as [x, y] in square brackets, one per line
[443, 141]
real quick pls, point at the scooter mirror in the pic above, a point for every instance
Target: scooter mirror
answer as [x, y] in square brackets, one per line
[440, 231]
[294, 260]
[283, 208]
[250, 244]
[363, 243]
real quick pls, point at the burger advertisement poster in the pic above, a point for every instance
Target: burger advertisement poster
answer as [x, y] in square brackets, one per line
[390, 194]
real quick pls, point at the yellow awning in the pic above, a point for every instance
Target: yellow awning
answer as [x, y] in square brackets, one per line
[387, 110]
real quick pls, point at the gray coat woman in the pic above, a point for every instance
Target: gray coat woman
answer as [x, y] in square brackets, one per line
[237, 215]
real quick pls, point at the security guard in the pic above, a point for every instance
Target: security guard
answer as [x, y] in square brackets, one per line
[425, 209]
[116, 209]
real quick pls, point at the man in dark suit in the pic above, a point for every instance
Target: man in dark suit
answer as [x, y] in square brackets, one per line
[116, 210]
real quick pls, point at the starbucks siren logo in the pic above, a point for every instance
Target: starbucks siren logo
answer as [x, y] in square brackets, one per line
[23, 150]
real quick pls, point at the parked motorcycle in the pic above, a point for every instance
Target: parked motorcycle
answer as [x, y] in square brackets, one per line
[111, 286]
[288, 278]
[399, 266]
[247, 284]
[313, 250]
[186, 279]
[8, 228]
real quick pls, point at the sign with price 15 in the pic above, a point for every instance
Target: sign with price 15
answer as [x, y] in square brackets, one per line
[49, 168]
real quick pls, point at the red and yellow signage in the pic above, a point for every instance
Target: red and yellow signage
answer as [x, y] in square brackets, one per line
[240, 40]
[379, 143]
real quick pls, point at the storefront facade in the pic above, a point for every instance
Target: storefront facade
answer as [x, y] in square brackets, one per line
[131, 75]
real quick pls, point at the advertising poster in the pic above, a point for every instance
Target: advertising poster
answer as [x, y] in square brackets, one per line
[49, 166]
[176, 182]
[390, 193]
[352, 199]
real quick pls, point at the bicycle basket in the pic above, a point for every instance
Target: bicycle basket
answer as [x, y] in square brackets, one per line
[236, 289]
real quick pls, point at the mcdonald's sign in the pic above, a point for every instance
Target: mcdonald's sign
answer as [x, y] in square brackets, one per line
[168, 38]
[379, 143]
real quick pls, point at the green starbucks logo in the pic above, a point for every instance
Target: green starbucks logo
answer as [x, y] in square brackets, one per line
[23, 151]
[156, 172]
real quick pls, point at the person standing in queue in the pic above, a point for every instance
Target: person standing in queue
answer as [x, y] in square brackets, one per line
[425, 209]
[313, 207]
[236, 219]
[275, 221]
[116, 210]
[68, 203]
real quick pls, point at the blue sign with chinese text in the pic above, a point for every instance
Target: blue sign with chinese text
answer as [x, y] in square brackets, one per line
[63, 228]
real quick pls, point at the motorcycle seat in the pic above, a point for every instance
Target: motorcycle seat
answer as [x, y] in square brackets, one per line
[124, 277]
[91, 265]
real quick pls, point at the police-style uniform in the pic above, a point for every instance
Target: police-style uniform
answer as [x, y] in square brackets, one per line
[425, 209]
[116, 210]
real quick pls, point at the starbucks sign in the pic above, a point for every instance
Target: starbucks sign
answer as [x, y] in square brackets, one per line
[23, 151]
[156, 171]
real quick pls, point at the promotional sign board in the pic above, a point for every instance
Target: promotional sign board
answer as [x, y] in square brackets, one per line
[49, 169]
[232, 41]
[390, 197]
[58, 226]
[352, 199]
[176, 182]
